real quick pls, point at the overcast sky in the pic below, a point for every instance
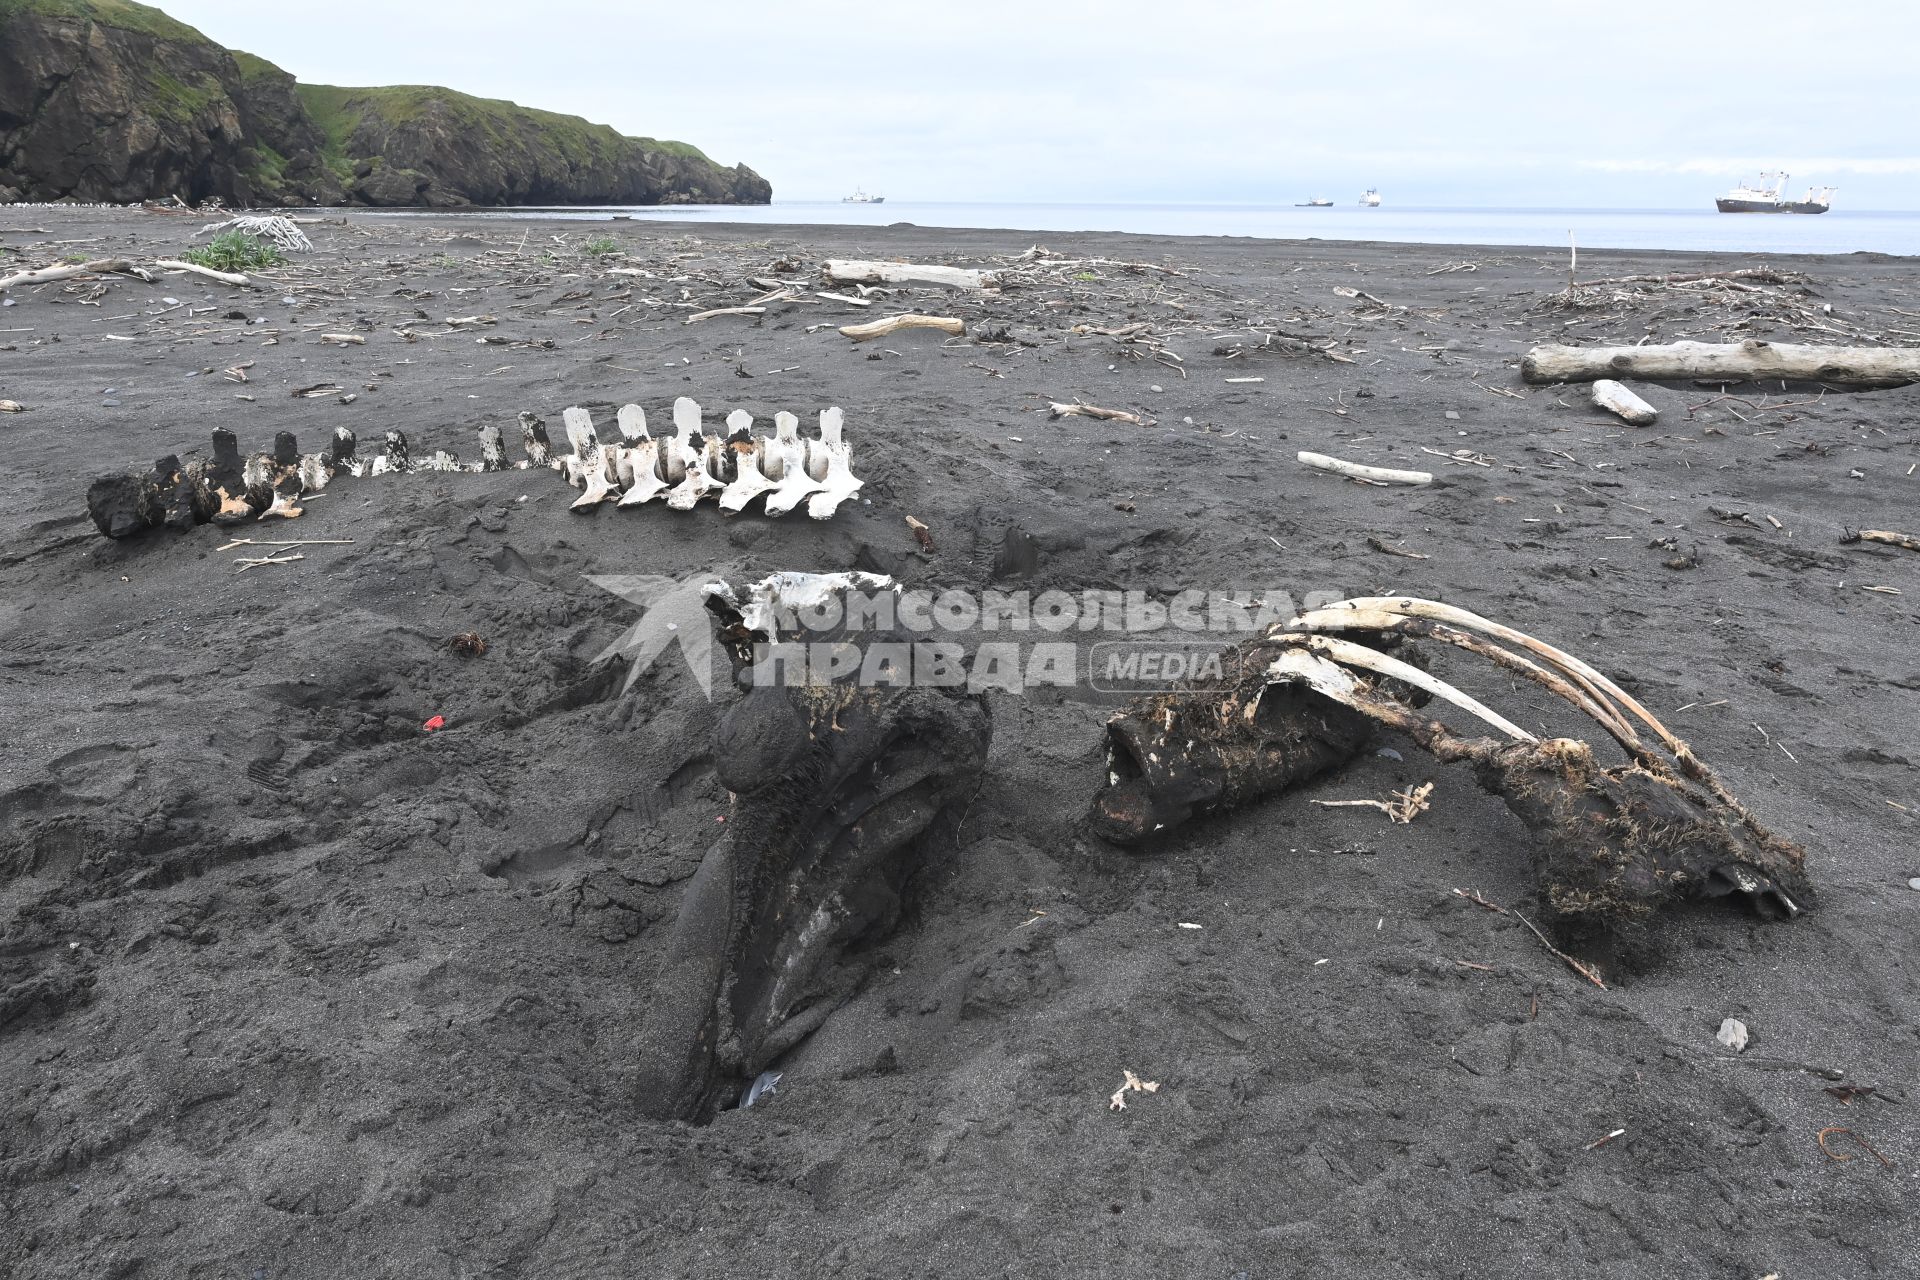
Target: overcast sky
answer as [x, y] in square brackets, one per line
[1628, 104]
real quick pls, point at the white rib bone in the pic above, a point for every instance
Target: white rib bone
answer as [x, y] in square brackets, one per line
[838, 484]
[1350, 654]
[644, 459]
[1578, 670]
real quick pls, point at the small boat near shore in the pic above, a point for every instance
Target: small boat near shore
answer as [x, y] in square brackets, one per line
[1769, 195]
[861, 197]
[1318, 202]
[1370, 198]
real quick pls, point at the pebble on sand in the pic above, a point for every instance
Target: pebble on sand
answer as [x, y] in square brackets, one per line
[1733, 1034]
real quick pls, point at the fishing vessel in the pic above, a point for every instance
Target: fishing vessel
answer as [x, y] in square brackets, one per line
[1318, 202]
[1769, 195]
[861, 197]
[1370, 198]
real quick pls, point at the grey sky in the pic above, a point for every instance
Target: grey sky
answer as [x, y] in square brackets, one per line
[1628, 104]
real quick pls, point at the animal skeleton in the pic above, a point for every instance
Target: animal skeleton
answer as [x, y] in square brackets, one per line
[688, 468]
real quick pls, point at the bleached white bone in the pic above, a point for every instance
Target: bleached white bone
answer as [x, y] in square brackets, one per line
[632, 420]
[644, 460]
[314, 473]
[493, 449]
[837, 484]
[393, 457]
[588, 467]
[442, 460]
[686, 425]
[533, 437]
[773, 454]
[795, 483]
[695, 484]
[749, 480]
[767, 607]
[1349, 654]
[831, 421]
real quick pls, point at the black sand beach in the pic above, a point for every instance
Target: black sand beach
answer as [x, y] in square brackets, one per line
[291, 988]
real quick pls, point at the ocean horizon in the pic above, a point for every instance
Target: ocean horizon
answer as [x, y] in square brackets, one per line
[1699, 230]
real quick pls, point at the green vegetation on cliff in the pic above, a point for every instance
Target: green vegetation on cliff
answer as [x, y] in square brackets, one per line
[114, 100]
[123, 15]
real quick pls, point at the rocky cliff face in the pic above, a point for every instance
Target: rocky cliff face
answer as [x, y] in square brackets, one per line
[418, 145]
[112, 100]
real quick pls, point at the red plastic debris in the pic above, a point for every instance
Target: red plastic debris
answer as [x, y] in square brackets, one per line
[438, 722]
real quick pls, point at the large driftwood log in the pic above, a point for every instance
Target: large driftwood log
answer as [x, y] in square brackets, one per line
[881, 328]
[846, 271]
[1615, 398]
[46, 275]
[1731, 362]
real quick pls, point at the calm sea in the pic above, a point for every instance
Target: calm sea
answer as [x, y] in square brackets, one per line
[1841, 231]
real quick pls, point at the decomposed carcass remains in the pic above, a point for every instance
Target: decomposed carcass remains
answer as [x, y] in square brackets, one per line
[843, 793]
[1612, 843]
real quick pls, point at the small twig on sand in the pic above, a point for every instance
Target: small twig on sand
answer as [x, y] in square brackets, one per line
[1586, 971]
[277, 557]
[1358, 471]
[303, 542]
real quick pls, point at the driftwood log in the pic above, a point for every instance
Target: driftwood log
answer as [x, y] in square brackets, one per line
[1615, 398]
[46, 275]
[224, 277]
[847, 271]
[1729, 362]
[1360, 471]
[881, 328]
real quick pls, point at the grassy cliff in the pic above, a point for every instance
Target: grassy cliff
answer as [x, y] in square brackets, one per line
[113, 100]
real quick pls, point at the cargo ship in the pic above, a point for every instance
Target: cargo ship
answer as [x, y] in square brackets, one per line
[861, 197]
[1318, 202]
[1370, 198]
[1769, 195]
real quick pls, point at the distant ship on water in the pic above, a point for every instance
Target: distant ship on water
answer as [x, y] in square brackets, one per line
[1370, 198]
[1769, 195]
[861, 197]
[1318, 202]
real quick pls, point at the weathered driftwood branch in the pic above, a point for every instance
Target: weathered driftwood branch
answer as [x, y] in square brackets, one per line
[726, 311]
[1615, 398]
[846, 271]
[881, 328]
[47, 275]
[1095, 411]
[1887, 536]
[1357, 471]
[1731, 362]
[224, 277]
